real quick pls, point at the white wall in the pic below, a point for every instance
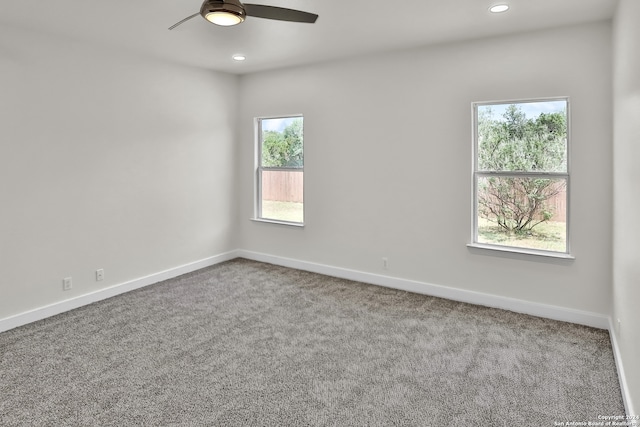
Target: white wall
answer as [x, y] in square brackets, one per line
[388, 162]
[626, 176]
[109, 161]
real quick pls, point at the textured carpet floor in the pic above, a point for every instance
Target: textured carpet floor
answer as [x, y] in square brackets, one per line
[245, 343]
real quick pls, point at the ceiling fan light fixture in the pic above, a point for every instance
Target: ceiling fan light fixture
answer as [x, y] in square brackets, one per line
[224, 18]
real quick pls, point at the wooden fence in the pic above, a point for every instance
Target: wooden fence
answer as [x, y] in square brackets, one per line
[283, 186]
[558, 204]
[287, 186]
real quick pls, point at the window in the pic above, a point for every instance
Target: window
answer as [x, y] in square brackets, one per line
[280, 170]
[521, 176]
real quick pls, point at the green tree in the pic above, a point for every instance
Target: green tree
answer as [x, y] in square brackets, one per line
[283, 149]
[516, 143]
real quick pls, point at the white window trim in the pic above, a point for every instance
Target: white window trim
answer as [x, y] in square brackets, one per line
[475, 174]
[257, 181]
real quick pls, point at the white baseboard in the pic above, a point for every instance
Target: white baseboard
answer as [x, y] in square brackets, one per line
[626, 394]
[82, 300]
[511, 304]
[535, 309]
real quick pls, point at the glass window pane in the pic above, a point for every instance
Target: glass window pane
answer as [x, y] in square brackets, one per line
[282, 195]
[525, 136]
[523, 212]
[282, 143]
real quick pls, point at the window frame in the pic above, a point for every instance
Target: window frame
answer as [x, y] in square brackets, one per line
[257, 211]
[476, 174]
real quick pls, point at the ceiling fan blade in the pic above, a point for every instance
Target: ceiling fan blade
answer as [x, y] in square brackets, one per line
[184, 20]
[279, 13]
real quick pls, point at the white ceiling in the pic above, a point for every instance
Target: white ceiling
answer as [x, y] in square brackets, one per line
[344, 28]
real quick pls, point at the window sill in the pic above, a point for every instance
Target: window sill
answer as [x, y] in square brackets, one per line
[524, 251]
[279, 222]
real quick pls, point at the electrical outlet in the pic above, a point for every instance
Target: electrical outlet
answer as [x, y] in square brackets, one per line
[67, 284]
[385, 263]
[99, 275]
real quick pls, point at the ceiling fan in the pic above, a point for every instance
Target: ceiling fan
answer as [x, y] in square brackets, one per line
[232, 12]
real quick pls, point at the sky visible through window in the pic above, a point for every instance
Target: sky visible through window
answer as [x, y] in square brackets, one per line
[278, 124]
[530, 109]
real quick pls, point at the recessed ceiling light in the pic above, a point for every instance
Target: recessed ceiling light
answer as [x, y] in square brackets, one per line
[498, 8]
[239, 57]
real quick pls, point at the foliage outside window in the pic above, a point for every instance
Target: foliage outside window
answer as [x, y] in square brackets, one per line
[280, 170]
[521, 175]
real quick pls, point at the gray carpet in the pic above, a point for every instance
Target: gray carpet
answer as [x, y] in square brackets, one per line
[251, 344]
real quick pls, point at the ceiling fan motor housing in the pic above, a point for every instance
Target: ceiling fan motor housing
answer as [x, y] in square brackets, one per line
[229, 6]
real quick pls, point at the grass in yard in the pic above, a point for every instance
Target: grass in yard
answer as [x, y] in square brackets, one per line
[549, 236]
[282, 211]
